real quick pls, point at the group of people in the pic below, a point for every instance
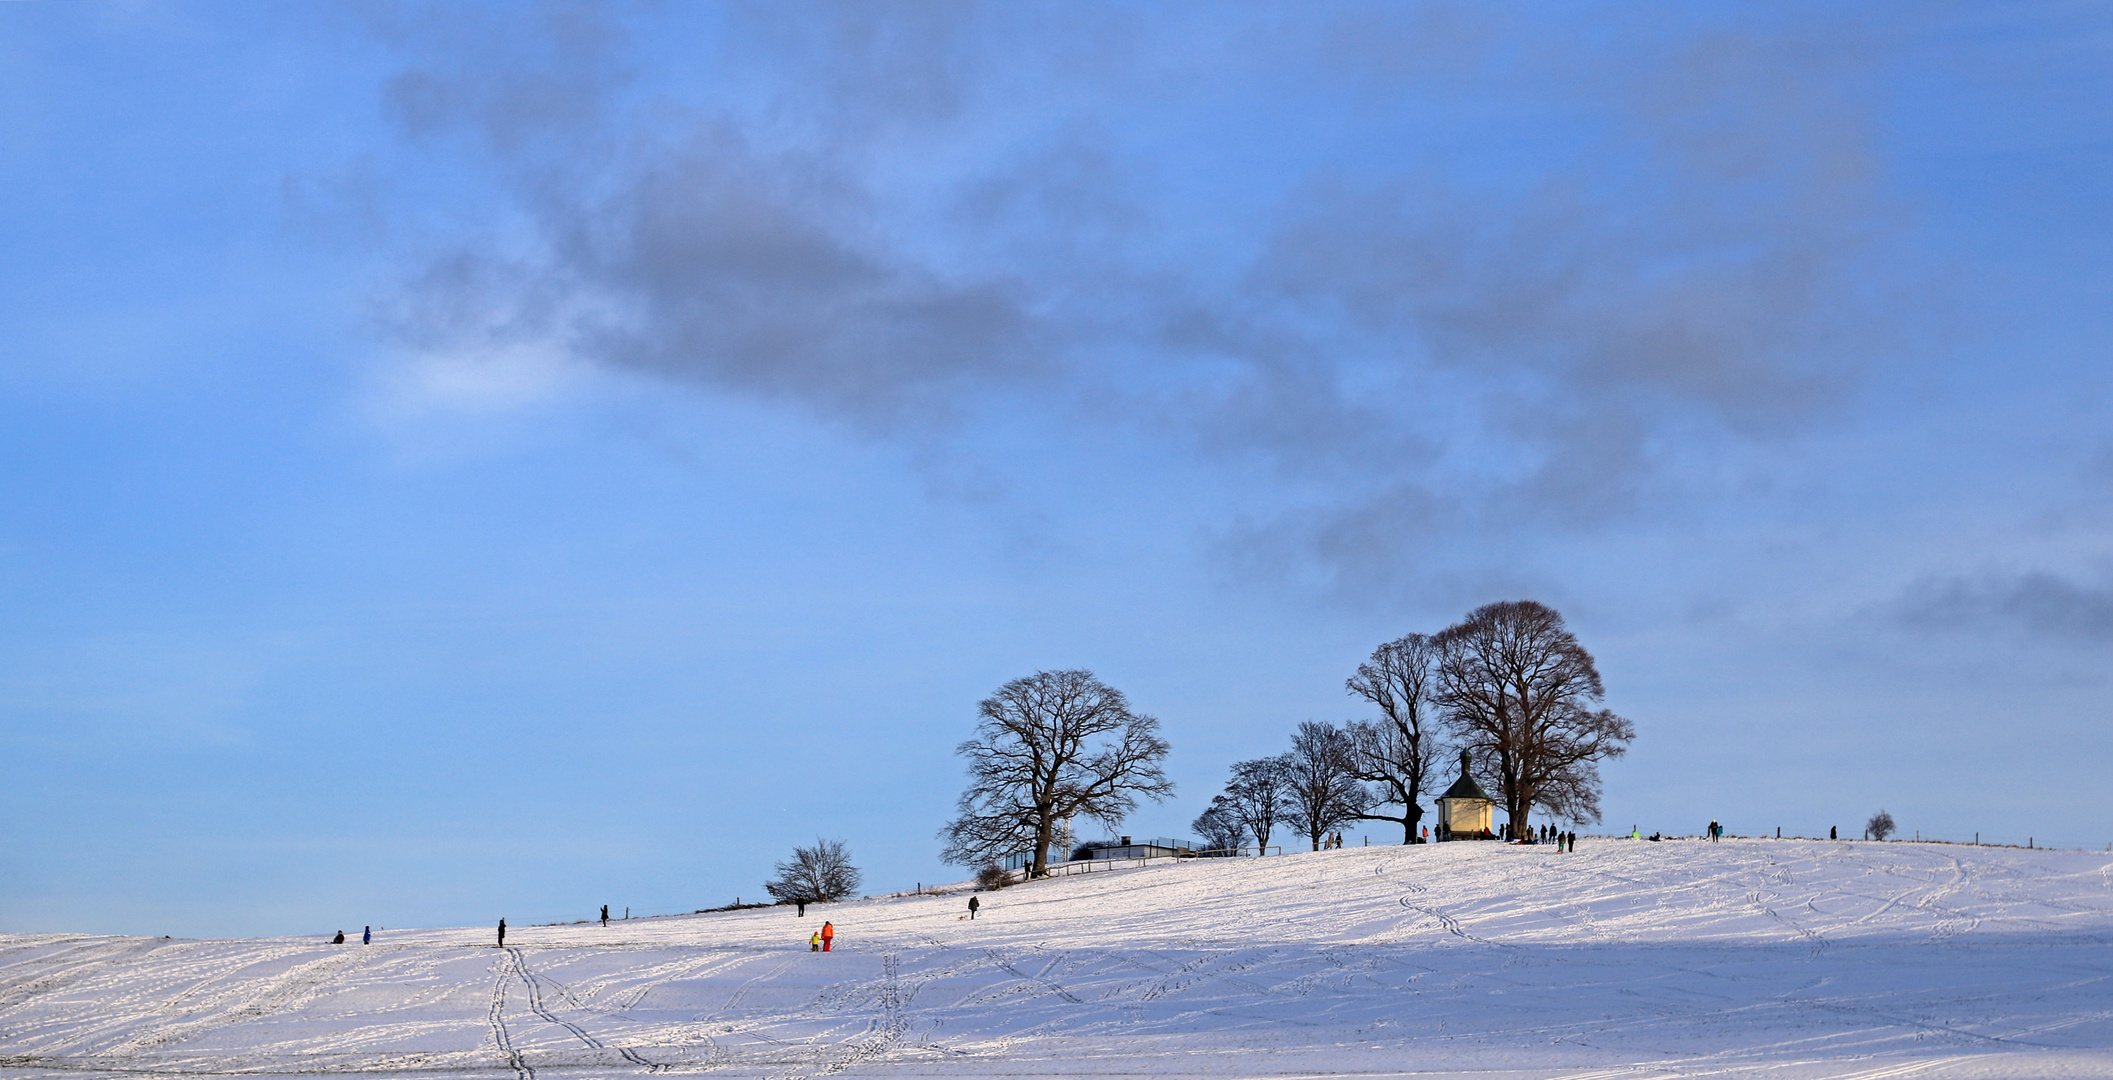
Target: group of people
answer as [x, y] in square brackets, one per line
[366, 937]
[1331, 841]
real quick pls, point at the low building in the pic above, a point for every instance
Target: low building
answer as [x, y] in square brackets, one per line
[1154, 848]
[1465, 811]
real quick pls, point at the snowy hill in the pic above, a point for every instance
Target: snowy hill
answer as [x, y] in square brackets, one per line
[1785, 959]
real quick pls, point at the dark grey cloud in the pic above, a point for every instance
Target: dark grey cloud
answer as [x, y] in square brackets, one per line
[910, 218]
[2036, 601]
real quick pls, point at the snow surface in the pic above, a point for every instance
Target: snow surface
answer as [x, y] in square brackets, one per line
[1627, 959]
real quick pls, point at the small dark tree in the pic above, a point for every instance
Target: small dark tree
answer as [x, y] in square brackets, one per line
[1218, 826]
[993, 877]
[1050, 747]
[1257, 797]
[815, 875]
[1520, 692]
[1322, 792]
[1400, 751]
[1880, 826]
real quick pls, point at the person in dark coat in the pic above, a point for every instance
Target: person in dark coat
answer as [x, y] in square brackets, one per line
[1830, 832]
[605, 914]
[502, 933]
[339, 939]
[367, 936]
[802, 905]
[972, 906]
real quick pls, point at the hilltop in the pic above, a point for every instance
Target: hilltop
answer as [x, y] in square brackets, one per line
[1787, 959]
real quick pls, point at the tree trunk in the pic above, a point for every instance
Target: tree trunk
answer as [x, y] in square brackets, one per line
[1042, 827]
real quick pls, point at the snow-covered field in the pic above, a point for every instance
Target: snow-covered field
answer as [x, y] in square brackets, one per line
[1781, 959]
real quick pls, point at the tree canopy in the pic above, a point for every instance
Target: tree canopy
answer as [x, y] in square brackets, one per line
[1050, 747]
[1522, 694]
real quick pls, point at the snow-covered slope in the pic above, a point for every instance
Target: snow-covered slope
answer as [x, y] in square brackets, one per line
[1784, 959]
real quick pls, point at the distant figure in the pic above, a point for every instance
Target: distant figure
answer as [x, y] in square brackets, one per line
[502, 933]
[1426, 834]
[828, 935]
[605, 914]
[802, 905]
[367, 936]
[1830, 832]
[814, 944]
[339, 939]
[973, 904]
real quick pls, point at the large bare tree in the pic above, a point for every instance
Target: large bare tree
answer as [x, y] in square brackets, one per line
[1520, 692]
[1322, 792]
[1400, 751]
[1052, 746]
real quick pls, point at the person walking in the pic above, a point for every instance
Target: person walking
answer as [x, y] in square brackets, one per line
[367, 936]
[814, 944]
[828, 935]
[973, 904]
[339, 939]
[801, 904]
[605, 914]
[502, 933]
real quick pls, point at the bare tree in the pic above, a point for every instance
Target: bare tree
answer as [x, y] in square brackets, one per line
[1399, 752]
[1051, 746]
[1219, 827]
[815, 875]
[1258, 796]
[1520, 692]
[1880, 826]
[1322, 792]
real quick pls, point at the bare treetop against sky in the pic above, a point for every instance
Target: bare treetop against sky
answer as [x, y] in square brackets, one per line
[465, 460]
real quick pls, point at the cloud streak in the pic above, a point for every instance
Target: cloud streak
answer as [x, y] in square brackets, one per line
[2038, 602]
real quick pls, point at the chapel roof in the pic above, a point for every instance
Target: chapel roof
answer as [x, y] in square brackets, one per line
[1465, 787]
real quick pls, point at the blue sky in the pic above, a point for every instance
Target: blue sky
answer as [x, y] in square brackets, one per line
[461, 461]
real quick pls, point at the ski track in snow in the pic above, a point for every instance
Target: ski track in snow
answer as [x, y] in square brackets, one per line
[1623, 961]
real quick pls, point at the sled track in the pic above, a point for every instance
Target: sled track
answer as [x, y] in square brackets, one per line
[504, 977]
[534, 983]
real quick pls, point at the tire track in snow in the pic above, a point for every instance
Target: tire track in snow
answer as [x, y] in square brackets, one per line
[535, 1005]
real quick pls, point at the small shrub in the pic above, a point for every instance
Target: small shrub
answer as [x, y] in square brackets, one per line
[1880, 826]
[817, 875]
[993, 876]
